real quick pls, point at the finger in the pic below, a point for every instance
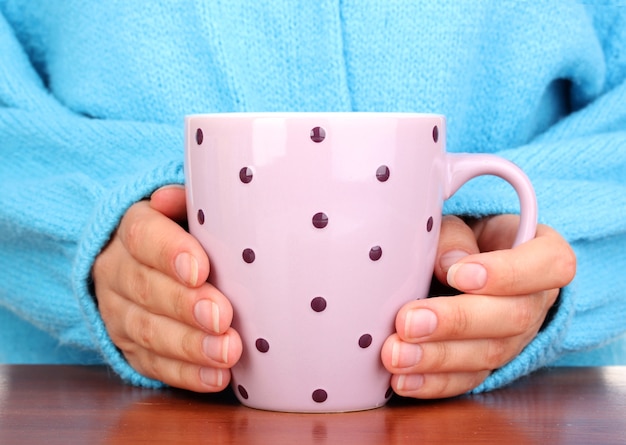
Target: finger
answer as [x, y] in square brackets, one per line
[180, 374]
[545, 262]
[436, 386]
[456, 241]
[472, 316]
[157, 241]
[204, 307]
[170, 200]
[169, 338]
[400, 357]
[496, 232]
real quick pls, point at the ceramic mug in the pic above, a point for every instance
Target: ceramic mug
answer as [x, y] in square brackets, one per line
[319, 227]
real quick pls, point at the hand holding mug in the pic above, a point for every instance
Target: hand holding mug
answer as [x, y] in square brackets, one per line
[446, 346]
[150, 284]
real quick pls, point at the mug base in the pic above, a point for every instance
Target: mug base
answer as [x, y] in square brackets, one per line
[319, 402]
[313, 410]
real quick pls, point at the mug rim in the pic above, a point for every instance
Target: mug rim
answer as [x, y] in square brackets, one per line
[316, 114]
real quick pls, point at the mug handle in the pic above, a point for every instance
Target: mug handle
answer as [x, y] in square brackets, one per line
[463, 167]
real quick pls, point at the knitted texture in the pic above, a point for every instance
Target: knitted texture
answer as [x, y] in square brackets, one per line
[93, 95]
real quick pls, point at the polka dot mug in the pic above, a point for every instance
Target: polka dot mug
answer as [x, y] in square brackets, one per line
[319, 227]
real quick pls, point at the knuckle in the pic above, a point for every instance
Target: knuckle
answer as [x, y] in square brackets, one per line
[140, 361]
[133, 230]
[180, 303]
[514, 278]
[108, 315]
[179, 372]
[565, 265]
[122, 342]
[101, 264]
[152, 368]
[140, 288]
[139, 231]
[440, 387]
[156, 367]
[106, 263]
[460, 322]
[450, 385]
[497, 354]
[525, 314]
[141, 329]
[191, 347]
[441, 357]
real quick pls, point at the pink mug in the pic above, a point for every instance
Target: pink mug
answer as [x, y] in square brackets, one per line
[319, 227]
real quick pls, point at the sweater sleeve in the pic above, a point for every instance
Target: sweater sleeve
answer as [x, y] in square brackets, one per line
[66, 180]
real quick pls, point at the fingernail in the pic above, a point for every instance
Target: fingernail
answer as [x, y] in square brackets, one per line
[448, 259]
[409, 382]
[207, 314]
[419, 323]
[168, 186]
[212, 376]
[405, 355]
[187, 268]
[467, 276]
[216, 347]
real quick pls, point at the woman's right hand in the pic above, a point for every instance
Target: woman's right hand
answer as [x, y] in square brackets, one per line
[150, 283]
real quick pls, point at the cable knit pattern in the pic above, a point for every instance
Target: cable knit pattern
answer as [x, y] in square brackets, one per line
[93, 95]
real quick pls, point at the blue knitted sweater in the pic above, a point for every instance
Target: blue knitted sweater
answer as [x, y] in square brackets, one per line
[93, 94]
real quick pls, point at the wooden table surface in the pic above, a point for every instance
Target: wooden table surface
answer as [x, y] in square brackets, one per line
[89, 405]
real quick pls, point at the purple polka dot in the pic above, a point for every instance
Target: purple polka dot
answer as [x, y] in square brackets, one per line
[319, 395]
[375, 253]
[199, 136]
[318, 134]
[262, 345]
[365, 341]
[318, 304]
[429, 224]
[200, 216]
[435, 134]
[245, 175]
[248, 255]
[242, 391]
[382, 173]
[320, 220]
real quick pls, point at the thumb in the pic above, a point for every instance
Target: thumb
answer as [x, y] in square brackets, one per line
[170, 201]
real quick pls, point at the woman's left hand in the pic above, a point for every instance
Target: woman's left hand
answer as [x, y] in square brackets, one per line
[446, 346]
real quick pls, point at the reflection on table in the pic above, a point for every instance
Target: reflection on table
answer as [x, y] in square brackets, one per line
[60, 404]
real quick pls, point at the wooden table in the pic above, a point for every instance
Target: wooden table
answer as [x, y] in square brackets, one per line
[88, 405]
